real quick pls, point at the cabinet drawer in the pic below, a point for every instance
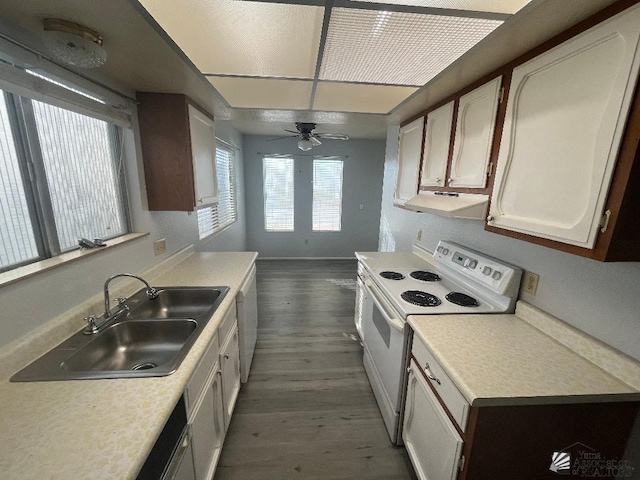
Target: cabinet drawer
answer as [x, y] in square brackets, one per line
[199, 376]
[227, 324]
[443, 385]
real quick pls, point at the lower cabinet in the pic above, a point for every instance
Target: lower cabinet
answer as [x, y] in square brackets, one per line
[230, 367]
[208, 428]
[432, 441]
[210, 397]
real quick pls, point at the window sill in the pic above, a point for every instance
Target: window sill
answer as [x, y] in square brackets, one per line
[27, 271]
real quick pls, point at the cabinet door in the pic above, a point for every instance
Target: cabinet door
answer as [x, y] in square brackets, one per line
[432, 442]
[230, 366]
[565, 117]
[409, 150]
[208, 428]
[203, 151]
[185, 470]
[477, 111]
[437, 139]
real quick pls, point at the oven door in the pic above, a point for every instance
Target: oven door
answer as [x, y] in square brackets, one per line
[384, 355]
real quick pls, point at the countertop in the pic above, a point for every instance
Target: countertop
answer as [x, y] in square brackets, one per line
[525, 359]
[104, 429]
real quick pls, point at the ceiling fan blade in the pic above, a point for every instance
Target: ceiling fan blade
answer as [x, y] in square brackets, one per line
[314, 140]
[333, 136]
[280, 138]
[292, 131]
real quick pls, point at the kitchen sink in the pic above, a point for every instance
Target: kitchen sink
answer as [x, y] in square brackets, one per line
[149, 338]
[173, 303]
[133, 345]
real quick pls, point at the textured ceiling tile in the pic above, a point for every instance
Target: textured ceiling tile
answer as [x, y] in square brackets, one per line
[395, 47]
[348, 97]
[494, 6]
[264, 93]
[243, 38]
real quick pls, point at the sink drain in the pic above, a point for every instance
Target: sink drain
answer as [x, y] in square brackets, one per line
[144, 366]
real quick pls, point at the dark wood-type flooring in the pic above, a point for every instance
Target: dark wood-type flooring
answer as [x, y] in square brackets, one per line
[308, 411]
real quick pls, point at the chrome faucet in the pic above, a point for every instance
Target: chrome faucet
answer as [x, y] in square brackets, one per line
[94, 326]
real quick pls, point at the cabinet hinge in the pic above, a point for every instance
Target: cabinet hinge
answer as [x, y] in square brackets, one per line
[604, 221]
[490, 169]
[461, 463]
[501, 95]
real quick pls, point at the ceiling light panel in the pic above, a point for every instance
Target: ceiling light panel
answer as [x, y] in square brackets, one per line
[242, 37]
[350, 97]
[376, 46]
[264, 93]
[494, 6]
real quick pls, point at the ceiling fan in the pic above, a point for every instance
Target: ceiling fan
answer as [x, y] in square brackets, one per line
[309, 138]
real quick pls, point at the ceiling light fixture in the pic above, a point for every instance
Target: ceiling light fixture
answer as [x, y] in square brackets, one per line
[305, 144]
[74, 44]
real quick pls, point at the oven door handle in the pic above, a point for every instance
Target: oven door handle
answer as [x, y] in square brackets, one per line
[384, 306]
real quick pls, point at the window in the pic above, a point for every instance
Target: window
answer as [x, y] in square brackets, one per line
[61, 177]
[277, 178]
[327, 194]
[214, 218]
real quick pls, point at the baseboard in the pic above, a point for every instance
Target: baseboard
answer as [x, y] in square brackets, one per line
[306, 258]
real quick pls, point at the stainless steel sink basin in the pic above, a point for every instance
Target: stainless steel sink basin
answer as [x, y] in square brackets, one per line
[148, 339]
[133, 345]
[173, 303]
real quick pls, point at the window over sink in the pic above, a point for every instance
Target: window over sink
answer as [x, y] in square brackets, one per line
[62, 178]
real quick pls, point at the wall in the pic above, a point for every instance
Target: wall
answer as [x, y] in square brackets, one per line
[362, 185]
[31, 302]
[598, 298]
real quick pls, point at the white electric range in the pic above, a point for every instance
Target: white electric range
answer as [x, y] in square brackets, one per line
[455, 280]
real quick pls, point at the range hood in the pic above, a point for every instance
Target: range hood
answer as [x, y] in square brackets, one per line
[448, 204]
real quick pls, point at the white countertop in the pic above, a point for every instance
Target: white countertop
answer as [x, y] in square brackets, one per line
[104, 429]
[505, 360]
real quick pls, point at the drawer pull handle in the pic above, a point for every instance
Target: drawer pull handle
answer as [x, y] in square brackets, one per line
[430, 375]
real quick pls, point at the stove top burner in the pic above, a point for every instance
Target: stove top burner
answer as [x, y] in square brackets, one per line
[462, 299]
[422, 299]
[425, 276]
[391, 275]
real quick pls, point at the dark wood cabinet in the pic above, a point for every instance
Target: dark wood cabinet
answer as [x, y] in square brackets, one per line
[178, 149]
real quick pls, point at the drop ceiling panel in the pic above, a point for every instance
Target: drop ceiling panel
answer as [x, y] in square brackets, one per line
[375, 46]
[263, 92]
[243, 38]
[349, 97]
[494, 6]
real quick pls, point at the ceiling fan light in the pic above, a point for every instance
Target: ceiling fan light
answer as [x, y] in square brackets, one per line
[305, 144]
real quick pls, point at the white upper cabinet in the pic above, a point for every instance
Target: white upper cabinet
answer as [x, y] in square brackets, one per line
[409, 150]
[565, 117]
[203, 151]
[437, 139]
[477, 111]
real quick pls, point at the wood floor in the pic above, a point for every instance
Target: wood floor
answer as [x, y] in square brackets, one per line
[307, 411]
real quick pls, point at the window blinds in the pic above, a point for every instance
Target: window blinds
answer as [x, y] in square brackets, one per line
[213, 218]
[277, 175]
[327, 194]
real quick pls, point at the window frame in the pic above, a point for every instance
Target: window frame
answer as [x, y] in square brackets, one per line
[213, 210]
[264, 193]
[24, 133]
[313, 212]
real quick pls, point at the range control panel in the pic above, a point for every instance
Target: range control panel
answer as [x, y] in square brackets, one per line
[488, 271]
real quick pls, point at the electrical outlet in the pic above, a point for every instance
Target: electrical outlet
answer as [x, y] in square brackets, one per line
[160, 246]
[419, 236]
[531, 282]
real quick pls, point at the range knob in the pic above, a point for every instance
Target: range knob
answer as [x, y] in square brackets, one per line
[487, 270]
[439, 249]
[469, 263]
[496, 275]
[445, 251]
